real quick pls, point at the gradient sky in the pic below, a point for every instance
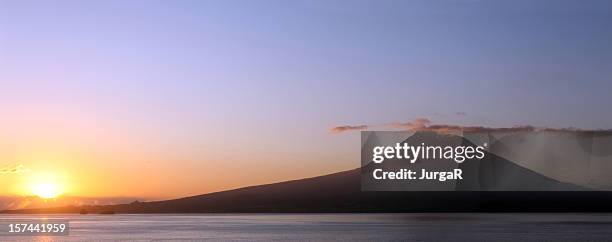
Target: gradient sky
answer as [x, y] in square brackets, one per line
[172, 98]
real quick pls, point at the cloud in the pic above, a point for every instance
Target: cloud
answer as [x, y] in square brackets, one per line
[417, 124]
[13, 169]
[343, 128]
[424, 124]
[461, 113]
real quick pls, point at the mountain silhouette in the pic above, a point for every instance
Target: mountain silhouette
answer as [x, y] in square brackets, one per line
[493, 178]
[341, 192]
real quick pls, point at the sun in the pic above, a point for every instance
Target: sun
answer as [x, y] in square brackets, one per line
[45, 184]
[46, 190]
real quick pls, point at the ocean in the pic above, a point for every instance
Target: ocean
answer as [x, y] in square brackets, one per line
[328, 227]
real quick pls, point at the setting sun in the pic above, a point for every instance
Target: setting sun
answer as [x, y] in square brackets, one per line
[44, 184]
[46, 190]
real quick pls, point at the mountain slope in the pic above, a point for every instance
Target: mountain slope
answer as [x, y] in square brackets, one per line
[341, 192]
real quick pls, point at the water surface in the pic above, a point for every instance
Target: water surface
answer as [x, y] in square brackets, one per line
[330, 227]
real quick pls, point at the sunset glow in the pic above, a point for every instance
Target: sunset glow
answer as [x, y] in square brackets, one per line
[172, 99]
[46, 190]
[44, 184]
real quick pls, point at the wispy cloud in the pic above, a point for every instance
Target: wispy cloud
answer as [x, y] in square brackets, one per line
[425, 124]
[416, 124]
[13, 169]
[461, 113]
[344, 128]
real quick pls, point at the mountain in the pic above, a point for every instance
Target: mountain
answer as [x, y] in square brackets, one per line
[341, 192]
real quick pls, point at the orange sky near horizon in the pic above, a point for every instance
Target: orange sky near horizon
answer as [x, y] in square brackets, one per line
[91, 155]
[125, 168]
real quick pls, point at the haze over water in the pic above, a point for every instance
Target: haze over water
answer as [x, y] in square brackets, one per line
[331, 227]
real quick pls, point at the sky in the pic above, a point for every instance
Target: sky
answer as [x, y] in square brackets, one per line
[165, 99]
